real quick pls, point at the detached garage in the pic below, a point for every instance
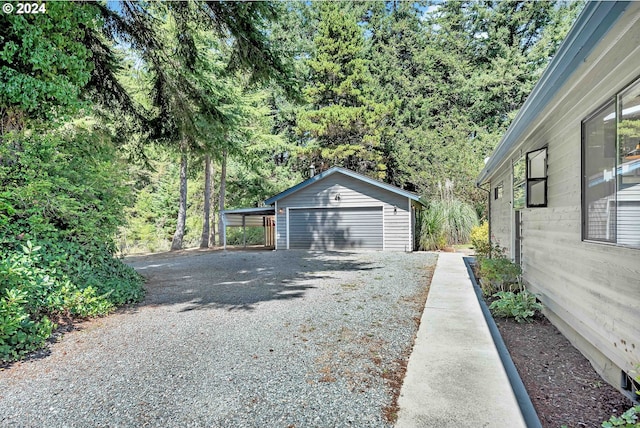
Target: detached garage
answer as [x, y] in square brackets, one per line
[341, 209]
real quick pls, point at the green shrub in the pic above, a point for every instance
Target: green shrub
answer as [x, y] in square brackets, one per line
[68, 281]
[19, 333]
[432, 236]
[480, 240]
[447, 222]
[254, 235]
[521, 305]
[628, 419]
[498, 274]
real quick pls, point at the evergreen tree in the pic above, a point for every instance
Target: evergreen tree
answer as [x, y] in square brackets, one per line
[343, 125]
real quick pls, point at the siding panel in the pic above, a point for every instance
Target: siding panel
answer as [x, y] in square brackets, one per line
[591, 290]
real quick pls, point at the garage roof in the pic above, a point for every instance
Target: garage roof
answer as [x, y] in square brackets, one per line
[349, 173]
[593, 23]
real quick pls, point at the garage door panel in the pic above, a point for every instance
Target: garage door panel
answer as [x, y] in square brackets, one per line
[335, 228]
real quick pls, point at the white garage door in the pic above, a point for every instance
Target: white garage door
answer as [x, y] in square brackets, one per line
[336, 228]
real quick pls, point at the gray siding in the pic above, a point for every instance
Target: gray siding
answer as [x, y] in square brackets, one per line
[501, 214]
[591, 291]
[396, 223]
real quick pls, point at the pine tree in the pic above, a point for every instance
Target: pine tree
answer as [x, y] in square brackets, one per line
[343, 125]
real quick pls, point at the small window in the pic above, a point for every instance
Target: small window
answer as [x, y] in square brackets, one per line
[497, 192]
[537, 178]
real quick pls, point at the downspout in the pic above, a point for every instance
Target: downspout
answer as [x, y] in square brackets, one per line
[479, 186]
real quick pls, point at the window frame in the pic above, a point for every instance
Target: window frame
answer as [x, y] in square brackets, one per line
[498, 191]
[518, 184]
[534, 180]
[616, 100]
[583, 168]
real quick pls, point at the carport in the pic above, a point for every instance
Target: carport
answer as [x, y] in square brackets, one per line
[247, 217]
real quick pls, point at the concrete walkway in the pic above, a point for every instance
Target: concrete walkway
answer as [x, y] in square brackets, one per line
[455, 377]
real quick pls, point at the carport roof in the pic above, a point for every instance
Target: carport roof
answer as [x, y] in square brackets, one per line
[349, 173]
[252, 211]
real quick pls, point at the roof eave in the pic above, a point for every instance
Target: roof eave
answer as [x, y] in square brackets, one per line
[346, 172]
[593, 23]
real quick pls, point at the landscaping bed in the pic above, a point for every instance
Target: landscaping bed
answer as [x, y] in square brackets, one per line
[563, 386]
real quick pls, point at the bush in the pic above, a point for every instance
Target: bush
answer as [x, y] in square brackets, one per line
[522, 305]
[33, 287]
[628, 419]
[447, 222]
[498, 274]
[480, 240]
[61, 203]
[19, 333]
[432, 235]
[254, 235]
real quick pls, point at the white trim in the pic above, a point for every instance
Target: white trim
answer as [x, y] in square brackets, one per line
[410, 225]
[276, 226]
[287, 221]
[383, 230]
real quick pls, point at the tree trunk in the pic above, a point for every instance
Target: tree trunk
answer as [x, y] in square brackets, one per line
[204, 238]
[214, 204]
[176, 243]
[223, 185]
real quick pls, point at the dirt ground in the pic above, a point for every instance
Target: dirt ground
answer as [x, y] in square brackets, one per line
[564, 388]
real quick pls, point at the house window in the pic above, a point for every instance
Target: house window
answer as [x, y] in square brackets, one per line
[519, 183]
[537, 178]
[498, 191]
[611, 171]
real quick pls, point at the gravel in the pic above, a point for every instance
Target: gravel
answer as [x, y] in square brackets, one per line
[234, 339]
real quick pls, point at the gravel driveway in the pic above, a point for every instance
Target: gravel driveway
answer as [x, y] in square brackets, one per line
[235, 339]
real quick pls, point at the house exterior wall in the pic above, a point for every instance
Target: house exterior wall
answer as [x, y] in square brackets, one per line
[501, 213]
[591, 291]
[353, 193]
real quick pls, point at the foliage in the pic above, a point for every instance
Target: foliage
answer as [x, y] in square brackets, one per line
[59, 209]
[455, 74]
[44, 63]
[432, 236]
[35, 284]
[501, 278]
[480, 240]
[342, 125]
[254, 236]
[628, 419]
[498, 274]
[521, 305]
[19, 334]
[448, 221]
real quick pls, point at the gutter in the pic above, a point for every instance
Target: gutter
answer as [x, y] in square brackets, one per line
[593, 23]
